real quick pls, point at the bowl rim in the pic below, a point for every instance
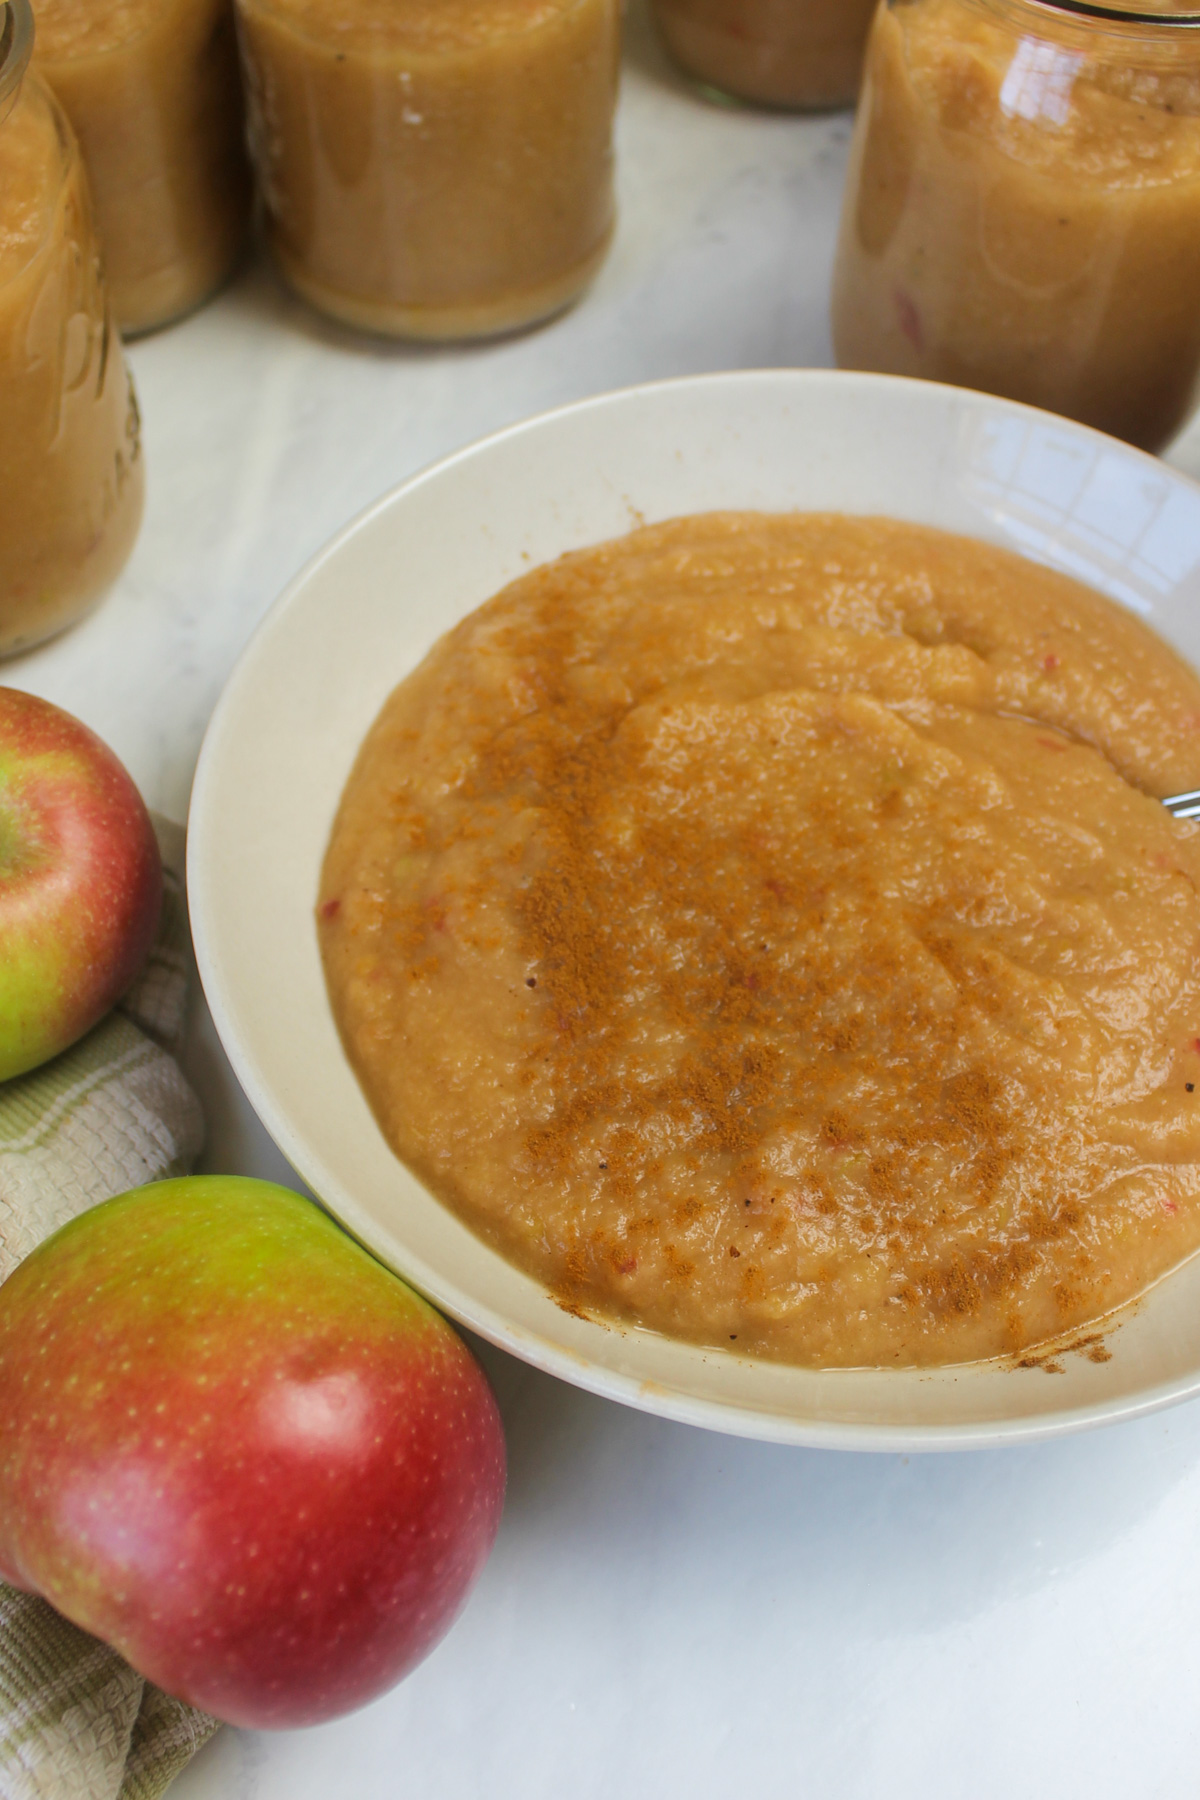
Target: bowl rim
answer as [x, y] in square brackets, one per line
[553, 1357]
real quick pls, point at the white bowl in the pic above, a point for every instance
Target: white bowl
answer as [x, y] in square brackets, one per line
[366, 610]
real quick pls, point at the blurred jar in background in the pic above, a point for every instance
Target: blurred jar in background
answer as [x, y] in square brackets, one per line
[70, 461]
[793, 53]
[151, 88]
[1022, 209]
[434, 168]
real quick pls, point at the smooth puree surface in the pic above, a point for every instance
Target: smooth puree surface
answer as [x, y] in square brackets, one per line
[152, 91]
[70, 458]
[434, 170]
[761, 928]
[791, 53]
[1023, 212]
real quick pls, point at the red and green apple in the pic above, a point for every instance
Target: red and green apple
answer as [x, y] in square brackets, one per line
[80, 881]
[237, 1448]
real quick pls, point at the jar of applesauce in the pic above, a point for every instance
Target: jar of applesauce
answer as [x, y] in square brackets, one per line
[151, 88]
[70, 460]
[804, 54]
[434, 168]
[1022, 210]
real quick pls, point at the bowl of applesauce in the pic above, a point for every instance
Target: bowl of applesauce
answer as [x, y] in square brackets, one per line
[684, 880]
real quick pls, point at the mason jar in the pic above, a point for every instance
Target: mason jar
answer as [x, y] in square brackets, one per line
[1022, 209]
[151, 88]
[434, 168]
[70, 458]
[801, 54]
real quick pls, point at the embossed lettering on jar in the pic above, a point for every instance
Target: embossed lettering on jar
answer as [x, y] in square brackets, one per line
[70, 461]
[1022, 211]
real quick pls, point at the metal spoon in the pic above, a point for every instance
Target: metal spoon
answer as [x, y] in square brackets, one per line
[1184, 806]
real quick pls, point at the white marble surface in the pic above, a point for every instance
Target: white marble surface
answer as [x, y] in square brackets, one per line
[668, 1613]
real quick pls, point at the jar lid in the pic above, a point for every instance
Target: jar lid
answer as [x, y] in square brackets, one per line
[16, 47]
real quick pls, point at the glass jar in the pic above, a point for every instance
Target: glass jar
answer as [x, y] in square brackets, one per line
[70, 460]
[434, 168]
[1022, 209]
[803, 54]
[151, 88]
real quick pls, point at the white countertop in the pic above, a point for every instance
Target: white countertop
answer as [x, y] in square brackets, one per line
[668, 1612]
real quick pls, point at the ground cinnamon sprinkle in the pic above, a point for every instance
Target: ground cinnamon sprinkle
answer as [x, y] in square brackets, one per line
[728, 865]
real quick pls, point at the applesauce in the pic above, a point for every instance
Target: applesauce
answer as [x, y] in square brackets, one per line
[791, 53]
[70, 459]
[151, 88]
[434, 168]
[761, 929]
[1022, 210]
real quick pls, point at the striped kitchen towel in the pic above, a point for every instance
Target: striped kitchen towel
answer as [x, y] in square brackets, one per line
[114, 1111]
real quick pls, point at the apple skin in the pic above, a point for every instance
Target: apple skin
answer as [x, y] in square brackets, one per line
[80, 881]
[238, 1449]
